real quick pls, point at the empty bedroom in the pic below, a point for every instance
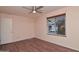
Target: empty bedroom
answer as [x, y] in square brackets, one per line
[39, 28]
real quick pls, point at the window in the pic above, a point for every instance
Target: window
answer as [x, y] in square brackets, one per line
[56, 25]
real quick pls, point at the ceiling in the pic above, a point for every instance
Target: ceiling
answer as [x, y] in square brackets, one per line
[19, 10]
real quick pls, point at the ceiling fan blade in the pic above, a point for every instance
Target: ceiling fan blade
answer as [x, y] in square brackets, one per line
[34, 9]
[39, 7]
[26, 8]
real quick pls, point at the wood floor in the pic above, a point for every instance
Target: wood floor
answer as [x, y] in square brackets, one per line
[34, 45]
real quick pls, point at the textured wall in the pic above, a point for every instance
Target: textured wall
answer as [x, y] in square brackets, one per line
[72, 29]
[15, 28]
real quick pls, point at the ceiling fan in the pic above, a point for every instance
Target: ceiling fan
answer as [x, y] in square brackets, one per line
[34, 9]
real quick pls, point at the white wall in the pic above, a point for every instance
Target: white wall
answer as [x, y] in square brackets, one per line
[23, 28]
[72, 28]
[16, 28]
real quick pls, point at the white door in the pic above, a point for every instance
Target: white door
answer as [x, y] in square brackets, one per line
[6, 30]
